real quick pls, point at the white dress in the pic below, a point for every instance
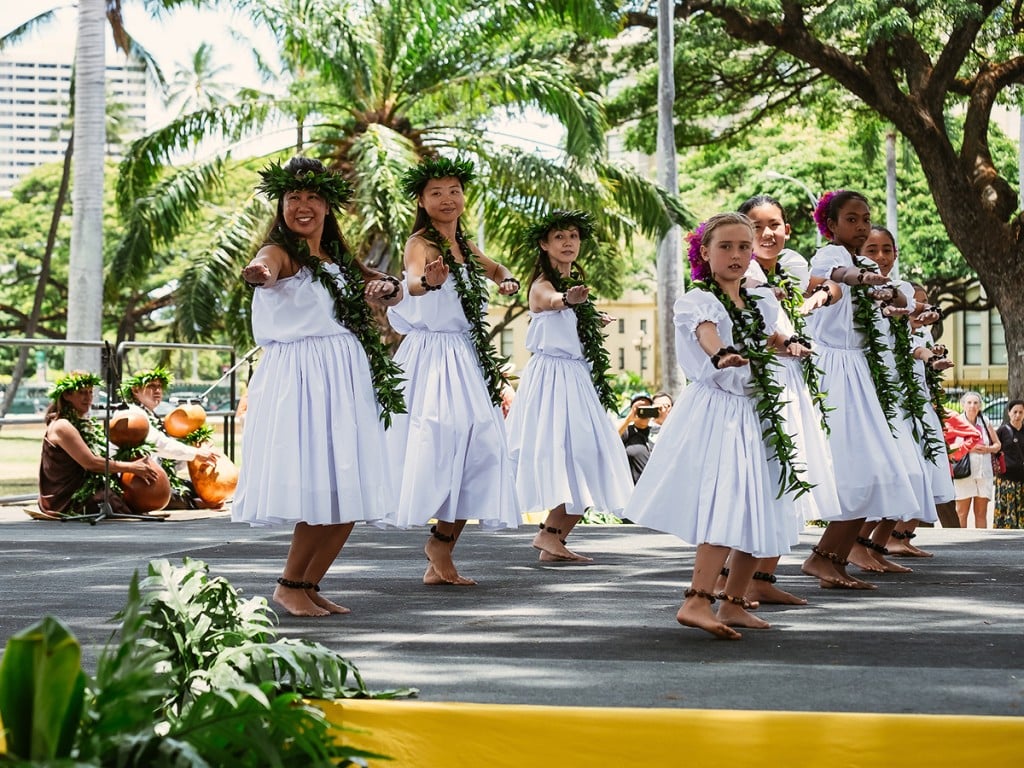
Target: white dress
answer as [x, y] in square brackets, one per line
[803, 419]
[562, 444]
[942, 480]
[709, 479]
[867, 461]
[313, 446]
[449, 453]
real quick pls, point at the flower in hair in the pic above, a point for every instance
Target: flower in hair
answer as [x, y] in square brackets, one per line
[821, 213]
[415, 179]
[73, 382]
[558, 220]
[278, 181]
[143, 379]
[699, 269]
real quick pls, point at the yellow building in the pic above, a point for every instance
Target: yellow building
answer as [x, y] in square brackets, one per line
[631, 338]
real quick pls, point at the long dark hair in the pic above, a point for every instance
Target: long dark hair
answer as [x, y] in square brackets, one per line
[544, 267]
[283, 237]
[757, 201]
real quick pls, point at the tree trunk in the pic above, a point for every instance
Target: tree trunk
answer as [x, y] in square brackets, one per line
[669, 246]
[890, 184]
[44, 277]
[85, 270]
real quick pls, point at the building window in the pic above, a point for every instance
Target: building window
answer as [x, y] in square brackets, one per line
[622, 357]
[972, 338]
[622, 325]
[507, 342]
[996, 339]
[643, 325]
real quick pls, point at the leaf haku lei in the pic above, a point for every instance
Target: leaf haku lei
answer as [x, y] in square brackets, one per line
[472, 290]
[415, 179]
[352, 311]
[276, 182]
[749, 333]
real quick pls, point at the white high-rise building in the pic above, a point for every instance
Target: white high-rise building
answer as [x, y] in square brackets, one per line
[35, 121]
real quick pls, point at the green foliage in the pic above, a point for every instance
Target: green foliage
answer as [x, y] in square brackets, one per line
[197, 678]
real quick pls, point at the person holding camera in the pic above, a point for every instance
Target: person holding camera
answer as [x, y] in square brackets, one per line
[635, 432]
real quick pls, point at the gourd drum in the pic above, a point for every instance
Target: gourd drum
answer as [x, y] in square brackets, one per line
[184, 419]
[215, 483]
[145, 497]
[129, 427]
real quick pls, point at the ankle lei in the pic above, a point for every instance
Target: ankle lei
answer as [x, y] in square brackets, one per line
[352, 311]
[864, 314]
[914, 402]
[792, 303]
[750, 334]
[591, 335]
[470, 284]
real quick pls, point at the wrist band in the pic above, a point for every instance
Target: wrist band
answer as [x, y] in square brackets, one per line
[860, 276]
[565, 300]
[427, 286]
[717, 357]
[395, 287]
[510, 280]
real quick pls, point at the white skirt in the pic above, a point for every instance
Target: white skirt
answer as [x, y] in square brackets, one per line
[563, 446]
[709, 480]
[313, 446]
[870, 473]
[449, 453]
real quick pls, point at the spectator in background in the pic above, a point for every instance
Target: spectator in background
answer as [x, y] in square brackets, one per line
[663, 402]
[635, 432]
[1009, 512]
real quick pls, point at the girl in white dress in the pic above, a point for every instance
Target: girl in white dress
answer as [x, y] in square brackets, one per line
[313, 453]
[848, 350]
[449, 453]
[566, 453]
[723, 469]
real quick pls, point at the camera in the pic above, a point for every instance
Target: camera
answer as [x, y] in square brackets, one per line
[648, 412]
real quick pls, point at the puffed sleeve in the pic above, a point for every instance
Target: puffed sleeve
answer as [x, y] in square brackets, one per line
[828, 258]
[796, 267]
[696, 307]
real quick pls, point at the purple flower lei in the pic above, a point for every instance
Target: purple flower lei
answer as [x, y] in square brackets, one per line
[821, 213]
[699, 269]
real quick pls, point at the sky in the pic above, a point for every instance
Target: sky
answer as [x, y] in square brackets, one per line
[173, 39]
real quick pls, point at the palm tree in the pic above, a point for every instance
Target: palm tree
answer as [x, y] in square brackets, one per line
[385, 82]
[197, 86]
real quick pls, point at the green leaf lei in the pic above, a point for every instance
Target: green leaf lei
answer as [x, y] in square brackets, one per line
[352, 311]
[590, 331]
[792, 304]
[750, 335]
[864, 315]
[471, 286]
[933, 379]
[914, 402]
[92, 436]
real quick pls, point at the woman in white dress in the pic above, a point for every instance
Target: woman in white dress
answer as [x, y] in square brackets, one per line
[566, 453]
[848, 351]
[788, 274]
[450, 451]
[313, 452]
[723, 470]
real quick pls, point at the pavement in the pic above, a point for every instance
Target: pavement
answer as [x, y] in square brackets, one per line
[945, 639]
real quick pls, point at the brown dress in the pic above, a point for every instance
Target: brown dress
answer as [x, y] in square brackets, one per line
[60, 476]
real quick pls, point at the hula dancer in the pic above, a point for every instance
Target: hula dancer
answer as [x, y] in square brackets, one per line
[450, 452]
[313, 454]
[567, 455]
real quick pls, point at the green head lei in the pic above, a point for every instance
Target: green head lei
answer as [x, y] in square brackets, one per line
[415, 179]
[73, 382]
[559, 220]
[142, 379]
[277, 181]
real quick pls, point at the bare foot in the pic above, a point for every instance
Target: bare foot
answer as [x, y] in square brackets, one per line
[917, 552]
[887, 565]
[552, 544]
[327, 605]
[898, 549]
[297, 602]
[696, 612]
[575, 559]
[439, 554]
[847, 582]
[861, 556]
[430, 578]
[826, 572]
[767, 593]
[734, 615]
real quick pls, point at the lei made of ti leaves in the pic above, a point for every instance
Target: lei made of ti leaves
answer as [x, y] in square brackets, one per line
[914, 403]
[749, 333]
[792, 303]
[936, 391]
[353, 312]
[865, 312]
[92, 436]
[472, 290]
[591, 335]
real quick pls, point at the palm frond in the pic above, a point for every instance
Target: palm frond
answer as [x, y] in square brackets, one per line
[22, 31]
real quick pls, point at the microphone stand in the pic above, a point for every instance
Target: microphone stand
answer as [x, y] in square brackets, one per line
[106, 512]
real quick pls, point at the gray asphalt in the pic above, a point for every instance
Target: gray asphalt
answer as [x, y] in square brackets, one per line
[947, 638]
